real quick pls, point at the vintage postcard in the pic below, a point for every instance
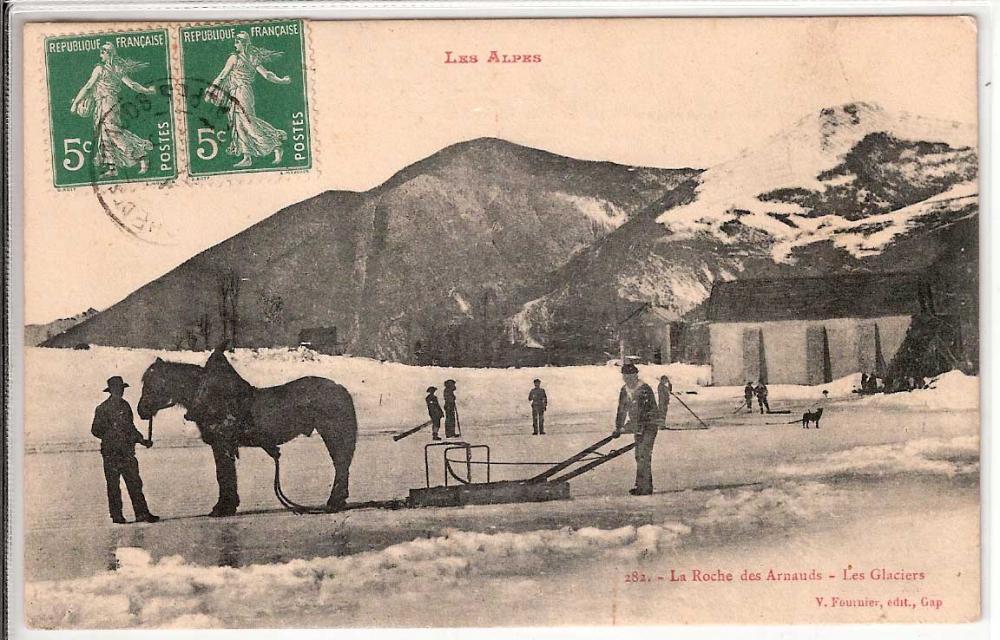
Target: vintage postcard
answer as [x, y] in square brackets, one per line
[492, 323]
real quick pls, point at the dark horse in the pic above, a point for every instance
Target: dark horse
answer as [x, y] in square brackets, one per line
[216, 395]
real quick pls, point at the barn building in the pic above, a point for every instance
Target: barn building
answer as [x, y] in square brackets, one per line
[811, 330]
[321, 340]
[645, 334]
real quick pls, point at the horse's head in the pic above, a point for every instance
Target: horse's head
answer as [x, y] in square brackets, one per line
[157, 390]
[222, 392]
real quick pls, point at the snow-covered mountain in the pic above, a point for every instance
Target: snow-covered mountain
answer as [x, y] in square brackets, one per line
[819, 177]
[836, 191]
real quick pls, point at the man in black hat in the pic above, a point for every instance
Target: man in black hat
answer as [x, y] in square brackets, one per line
[539, 403]
[638, 414]
[434, 412]
[114, 426]
[451, 428]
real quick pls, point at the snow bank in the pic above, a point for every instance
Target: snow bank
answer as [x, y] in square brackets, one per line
[839, 389]
[952, 391]
[171, 592]
[63, 386]
[785, 504]
[934, 456]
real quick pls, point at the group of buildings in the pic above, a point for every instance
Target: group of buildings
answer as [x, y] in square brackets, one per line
[812, 330]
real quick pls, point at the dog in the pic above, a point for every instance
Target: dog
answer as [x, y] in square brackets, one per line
[812, 416]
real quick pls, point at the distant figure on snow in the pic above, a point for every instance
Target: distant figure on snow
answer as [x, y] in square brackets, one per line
[539, 403]
[761, 392]
[114, 427]
[434, 412]
[638, 414]
[663, 391]
[748, 393]
[451, 424]
[816, 414]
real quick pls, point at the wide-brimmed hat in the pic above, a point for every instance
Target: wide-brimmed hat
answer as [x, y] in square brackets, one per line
[115, 382]
[629, 368]
[449, 383]
[431, 389]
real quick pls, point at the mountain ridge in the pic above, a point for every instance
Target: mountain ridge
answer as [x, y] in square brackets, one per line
[442, 240]
[487, 243]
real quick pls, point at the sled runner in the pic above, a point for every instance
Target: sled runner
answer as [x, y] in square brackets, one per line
[551, 484]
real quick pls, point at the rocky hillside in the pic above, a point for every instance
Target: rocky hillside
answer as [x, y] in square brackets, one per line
[848, 188]
[451, 238]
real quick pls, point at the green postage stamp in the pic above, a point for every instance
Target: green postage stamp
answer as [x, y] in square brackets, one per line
[110, 108]
[245, 104]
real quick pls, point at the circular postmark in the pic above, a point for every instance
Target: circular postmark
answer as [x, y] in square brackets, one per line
[110, 172]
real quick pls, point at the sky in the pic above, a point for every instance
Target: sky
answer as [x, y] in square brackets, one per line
[655, 92]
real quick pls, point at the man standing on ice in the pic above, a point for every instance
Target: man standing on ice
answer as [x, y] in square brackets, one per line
[114, 427]
[539, 403]
[434, 412]
[761, 392]
[663, 391]
[451, 427]
[638, 414]
[748, 392]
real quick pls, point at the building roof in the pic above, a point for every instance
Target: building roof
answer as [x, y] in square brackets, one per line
[646, 312]
[852, 295]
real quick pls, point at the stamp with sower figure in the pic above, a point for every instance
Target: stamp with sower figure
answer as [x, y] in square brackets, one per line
[250, 112]
[111, 114]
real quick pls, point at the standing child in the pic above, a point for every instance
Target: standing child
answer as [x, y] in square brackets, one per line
[434, 412]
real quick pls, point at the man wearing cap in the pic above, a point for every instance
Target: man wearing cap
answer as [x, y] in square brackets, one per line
[451, 427]
[539, 403]
[434, 412]
[113, 425]
[638, 414]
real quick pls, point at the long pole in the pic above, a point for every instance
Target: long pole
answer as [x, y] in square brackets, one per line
[684, 404]
[401, 435]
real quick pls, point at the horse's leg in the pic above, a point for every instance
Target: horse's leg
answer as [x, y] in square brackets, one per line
[340, 439]
[225, 475]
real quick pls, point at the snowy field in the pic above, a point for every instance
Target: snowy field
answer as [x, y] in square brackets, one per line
[888, 481]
